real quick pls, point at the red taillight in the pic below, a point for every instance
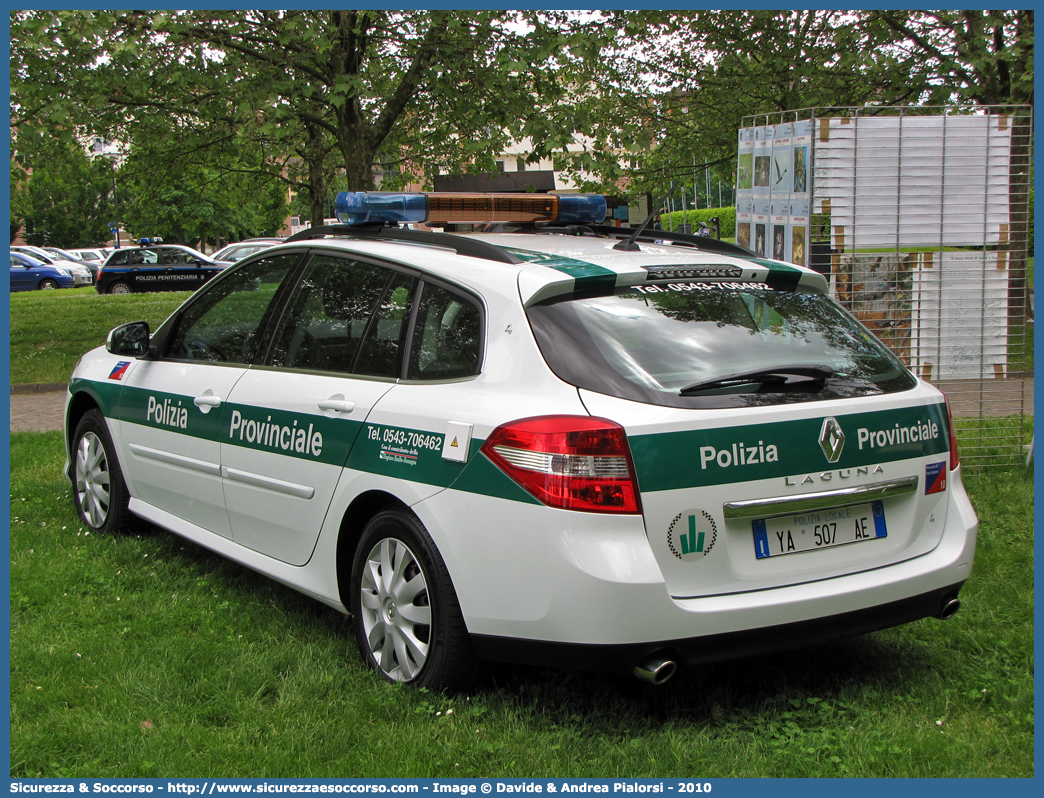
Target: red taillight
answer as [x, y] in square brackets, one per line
[571, 462]
[955, 459]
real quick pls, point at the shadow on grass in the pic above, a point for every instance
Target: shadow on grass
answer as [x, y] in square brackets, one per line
[751, 688]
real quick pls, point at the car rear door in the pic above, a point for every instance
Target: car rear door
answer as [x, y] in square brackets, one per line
[291, 423]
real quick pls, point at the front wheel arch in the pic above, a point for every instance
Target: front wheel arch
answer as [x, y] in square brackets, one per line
[99, 491]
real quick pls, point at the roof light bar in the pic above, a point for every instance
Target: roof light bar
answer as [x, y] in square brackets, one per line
[370, 207]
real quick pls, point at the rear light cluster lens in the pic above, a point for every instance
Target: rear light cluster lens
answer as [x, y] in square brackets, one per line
[570, 462]
[955, 459]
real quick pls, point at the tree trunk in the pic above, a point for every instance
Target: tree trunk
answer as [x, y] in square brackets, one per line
[315, 157]
[357, 155]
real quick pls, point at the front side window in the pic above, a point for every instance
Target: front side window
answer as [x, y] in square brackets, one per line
[225, 323]
[700, 345]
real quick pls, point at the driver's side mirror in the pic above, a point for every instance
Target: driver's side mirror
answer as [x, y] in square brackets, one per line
[131, 340]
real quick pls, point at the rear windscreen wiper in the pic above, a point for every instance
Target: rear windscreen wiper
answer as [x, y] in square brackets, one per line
[817, 374]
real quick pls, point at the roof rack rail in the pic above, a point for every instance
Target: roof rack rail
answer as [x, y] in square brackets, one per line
[461, 245]
[684, 239]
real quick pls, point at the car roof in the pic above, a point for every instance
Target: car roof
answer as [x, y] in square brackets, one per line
[159, 246]
[24, 256]
[553, 264]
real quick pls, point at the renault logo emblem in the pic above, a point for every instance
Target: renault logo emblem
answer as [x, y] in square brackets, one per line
[832, 439]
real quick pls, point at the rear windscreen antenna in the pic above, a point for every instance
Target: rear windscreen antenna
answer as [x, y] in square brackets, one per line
[629, 245]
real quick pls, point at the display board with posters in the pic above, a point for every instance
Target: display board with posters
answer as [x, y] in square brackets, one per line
[914, 181]
[773, 190]
[885, 183]
[919, 217]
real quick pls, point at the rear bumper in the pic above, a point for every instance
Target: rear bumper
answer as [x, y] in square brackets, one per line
[624, 658]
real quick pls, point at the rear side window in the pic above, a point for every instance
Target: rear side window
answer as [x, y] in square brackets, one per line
[179, 256]
[660, 344]
[447, 337]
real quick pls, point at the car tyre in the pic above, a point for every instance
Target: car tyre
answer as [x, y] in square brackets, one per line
[408, 623]
[99, 490]
[120, 287]
[48, 285]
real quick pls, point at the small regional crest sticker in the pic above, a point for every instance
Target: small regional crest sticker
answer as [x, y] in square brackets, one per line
[692, 535]
[119, 370]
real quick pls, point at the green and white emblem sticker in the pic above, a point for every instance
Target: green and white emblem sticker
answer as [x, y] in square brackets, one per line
[691, 535]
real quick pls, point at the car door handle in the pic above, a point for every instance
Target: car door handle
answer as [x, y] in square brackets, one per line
[207, 400]
[339, 405]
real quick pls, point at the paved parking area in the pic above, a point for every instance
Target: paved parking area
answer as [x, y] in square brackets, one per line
[37, 412]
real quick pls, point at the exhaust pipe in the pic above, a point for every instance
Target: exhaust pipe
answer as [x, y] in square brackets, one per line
[949, 608]
[656, 670]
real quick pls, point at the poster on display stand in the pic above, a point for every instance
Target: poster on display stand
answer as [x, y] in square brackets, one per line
[914, 181]
[781, 179]
[745, 186]
[780, 223]
[745, 163]
[780, 171]
[802, 162]
[762, 163]
[744, 219]
[760, 228]
[800, 222]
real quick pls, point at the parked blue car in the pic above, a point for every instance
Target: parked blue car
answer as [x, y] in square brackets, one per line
[28, 274]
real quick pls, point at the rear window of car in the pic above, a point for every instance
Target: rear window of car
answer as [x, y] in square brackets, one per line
[668, 344]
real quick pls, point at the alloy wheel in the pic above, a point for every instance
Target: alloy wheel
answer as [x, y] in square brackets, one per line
[92, 479]
[396, 610]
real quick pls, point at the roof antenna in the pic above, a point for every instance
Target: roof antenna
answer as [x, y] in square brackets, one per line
[629, 245]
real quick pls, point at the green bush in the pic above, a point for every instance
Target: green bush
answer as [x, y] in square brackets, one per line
[727, 217]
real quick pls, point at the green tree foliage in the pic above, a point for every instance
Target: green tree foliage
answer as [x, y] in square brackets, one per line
[64, 199]
[985, 57]
[351, 99]
[686, 79]
[198, 195]
[362, 93]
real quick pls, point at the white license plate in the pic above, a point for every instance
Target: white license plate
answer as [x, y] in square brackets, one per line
[818, 529]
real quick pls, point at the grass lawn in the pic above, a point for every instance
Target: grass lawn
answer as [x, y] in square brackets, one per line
[51, 329]
[140, 654]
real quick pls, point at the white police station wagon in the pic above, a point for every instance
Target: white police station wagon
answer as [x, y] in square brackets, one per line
[563, 444]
